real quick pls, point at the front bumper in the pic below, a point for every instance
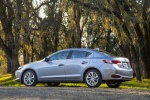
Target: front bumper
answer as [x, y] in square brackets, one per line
[18, 76]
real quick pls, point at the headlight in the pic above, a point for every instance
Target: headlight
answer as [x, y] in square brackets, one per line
[20, 67]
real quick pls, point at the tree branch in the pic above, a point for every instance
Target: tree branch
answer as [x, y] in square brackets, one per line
[90, 6]
[4, 47]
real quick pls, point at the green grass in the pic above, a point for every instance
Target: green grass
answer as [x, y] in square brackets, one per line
[7, 80]
[144, 84]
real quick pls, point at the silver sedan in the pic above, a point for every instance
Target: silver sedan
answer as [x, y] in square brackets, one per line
[77, 65]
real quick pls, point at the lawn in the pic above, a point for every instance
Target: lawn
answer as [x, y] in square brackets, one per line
[7, 80]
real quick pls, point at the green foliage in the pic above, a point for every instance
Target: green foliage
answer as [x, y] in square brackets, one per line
[8, 80]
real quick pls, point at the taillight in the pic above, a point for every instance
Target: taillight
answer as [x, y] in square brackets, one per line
[106, 61]
[112, 61]
[115, 61]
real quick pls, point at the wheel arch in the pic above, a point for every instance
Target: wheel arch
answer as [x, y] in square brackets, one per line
[25, 71]
[91, 68]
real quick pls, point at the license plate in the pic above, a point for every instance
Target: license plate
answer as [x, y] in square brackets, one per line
[125, 65]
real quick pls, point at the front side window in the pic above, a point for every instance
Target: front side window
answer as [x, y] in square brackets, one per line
[80, 54]
[60, 56]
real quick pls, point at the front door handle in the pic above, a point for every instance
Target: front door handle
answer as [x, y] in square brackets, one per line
[84, 62]
[61, 65]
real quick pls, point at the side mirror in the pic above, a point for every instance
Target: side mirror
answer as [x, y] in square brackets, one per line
[46, 59]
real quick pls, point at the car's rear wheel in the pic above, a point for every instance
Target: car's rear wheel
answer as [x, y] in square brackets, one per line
[113, 84]
[93, 78]
[29, 78]
[53, 84]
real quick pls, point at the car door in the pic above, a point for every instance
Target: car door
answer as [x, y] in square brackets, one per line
[76, 64]
[53, 69]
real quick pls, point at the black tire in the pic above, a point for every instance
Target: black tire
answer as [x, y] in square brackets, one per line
[29, 78]
[53, 84]
[113, 84]
[93, 78]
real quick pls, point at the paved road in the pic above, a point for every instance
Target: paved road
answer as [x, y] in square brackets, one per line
[71, 93]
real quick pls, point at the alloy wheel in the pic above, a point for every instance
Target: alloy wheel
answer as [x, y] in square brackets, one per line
[29, 78]
[93, 78]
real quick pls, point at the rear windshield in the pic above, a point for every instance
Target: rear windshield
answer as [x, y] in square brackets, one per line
[104, 53]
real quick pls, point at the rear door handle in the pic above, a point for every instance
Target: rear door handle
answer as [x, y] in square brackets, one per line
[61, 65]
[84, 62]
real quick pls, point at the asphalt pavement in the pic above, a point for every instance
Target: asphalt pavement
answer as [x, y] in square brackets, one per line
[71, 93]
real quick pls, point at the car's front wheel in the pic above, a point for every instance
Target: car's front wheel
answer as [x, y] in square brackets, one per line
[53, 84]
[29, 78]
[93, 78]
[113, 84]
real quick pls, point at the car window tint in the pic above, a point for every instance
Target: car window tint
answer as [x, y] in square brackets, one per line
[60, 55]
[80, 54]
[87, 54]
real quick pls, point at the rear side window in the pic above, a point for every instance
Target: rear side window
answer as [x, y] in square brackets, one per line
[80, 54]
[87, 54]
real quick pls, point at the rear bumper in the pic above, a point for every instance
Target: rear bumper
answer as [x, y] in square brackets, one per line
[118, 74]
[121, 79]
[125, 74]
[124, 78]
[127, 78]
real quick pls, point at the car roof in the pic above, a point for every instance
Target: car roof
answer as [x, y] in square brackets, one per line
[85, 49]
[94, 51]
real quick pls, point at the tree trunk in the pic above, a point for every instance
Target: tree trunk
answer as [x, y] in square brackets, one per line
[8, 66]
[146, 70]
[56, 29]
[14, 63]
[108, 48]
[12, 60]
[77, 19]
[11, 46]
[136, 62]
[135, 53]
[25, 56]
[145, 52]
